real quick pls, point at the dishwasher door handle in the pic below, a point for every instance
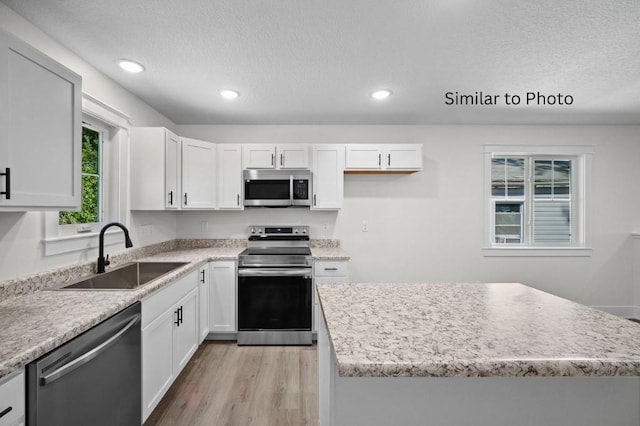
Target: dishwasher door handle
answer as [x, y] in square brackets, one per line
[88, 356]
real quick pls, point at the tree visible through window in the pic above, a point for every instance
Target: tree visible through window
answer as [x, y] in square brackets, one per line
[90, 211]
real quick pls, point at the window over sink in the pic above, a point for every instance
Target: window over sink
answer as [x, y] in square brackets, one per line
[536, 200]
[105, 138]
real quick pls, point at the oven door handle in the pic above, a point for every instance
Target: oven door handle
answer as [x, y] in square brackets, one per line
[275, 272]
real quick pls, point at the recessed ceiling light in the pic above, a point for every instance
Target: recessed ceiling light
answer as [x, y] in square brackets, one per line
[381, 94]
[130, 66]
[229, 94]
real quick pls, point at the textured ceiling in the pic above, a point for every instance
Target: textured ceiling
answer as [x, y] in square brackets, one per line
[317, 61]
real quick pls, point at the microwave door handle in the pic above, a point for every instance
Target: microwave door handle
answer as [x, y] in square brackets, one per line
[290, 189]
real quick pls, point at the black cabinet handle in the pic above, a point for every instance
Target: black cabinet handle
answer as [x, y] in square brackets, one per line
[281, 159]
[314, 199]
[330, 269]
[238, 196]
[185, 198]
[7, 176]
[202, 280]
[177, 321]
[5, 411]
[389, 160]
[273, 159]
[180, 315]
[379, 159]
[170, 198]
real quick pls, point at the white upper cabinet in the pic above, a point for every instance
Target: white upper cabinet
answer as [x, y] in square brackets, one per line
[328, 179]
[402, 157]
[155, 169]
[230, 177]
[292, 156]
[172, 170]
[388, 158]
[198, 174]
[284, 156]
[363, 157]
[40, 130]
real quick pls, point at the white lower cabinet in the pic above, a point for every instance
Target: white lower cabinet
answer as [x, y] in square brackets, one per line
[12, 405]
[203, 302]
[325, 272]
[169, 337]
[222, 297]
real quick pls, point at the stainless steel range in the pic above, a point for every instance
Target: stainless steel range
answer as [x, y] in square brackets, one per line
[274, 287]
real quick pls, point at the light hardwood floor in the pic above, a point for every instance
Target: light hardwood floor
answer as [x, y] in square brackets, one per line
[225, 384]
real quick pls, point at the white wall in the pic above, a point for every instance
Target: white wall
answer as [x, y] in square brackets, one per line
[428, 226]
[21, 250]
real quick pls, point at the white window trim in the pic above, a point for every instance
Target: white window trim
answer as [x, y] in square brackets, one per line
[56, 243]
[579, 249]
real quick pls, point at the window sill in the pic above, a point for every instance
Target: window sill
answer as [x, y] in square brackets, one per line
[537, 251]
[78, 242]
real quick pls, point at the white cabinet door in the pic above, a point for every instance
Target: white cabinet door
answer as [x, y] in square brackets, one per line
[230, 177]
[222, 297]
[325, 272]
[403, 157]
[12, 400]
[155, 169]
[328, 177]
[198, 174]
[203, 302]
[40, 130]
[259, 156]
[363, 156]
[157, 361]
[185, 331]
[172, 170]
[292, 156]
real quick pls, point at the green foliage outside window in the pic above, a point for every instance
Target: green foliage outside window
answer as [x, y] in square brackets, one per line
[90, 206]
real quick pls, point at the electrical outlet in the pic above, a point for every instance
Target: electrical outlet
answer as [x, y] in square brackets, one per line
[325, 226]
[365, 226]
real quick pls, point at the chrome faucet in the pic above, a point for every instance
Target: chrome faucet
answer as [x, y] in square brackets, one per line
[102, 262]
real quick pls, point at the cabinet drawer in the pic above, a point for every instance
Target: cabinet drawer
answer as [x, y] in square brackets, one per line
[331, 268]
[12, 401]
[157, 303]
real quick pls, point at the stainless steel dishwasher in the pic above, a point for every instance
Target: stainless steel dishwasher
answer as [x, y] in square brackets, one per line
[94, 379]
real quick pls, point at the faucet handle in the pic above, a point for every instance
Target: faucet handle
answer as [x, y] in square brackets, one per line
[106, 261]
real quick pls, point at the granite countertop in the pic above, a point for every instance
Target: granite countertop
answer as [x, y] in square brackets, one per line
[470, 330]
[35, 319]
[35, 323]
[329, 253]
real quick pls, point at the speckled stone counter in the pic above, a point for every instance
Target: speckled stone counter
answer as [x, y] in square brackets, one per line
[35, 319]
[471, 330]
[34, 323]
[329, 253]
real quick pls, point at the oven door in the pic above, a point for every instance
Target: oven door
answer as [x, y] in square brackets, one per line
[274, 299]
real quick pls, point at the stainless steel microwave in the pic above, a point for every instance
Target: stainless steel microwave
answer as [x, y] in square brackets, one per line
[277, 188]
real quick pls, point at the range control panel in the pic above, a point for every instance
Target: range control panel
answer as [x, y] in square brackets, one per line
[272, 231]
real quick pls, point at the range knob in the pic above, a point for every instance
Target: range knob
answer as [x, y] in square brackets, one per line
[252, 230]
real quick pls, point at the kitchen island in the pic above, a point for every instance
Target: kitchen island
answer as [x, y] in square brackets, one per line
[472, 354]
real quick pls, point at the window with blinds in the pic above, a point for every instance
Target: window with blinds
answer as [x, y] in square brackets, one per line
[532, 200]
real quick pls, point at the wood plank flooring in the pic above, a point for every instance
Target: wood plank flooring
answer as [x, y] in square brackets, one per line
[225, 384]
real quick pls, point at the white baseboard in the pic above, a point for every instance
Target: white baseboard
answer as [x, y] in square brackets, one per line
[621, 311]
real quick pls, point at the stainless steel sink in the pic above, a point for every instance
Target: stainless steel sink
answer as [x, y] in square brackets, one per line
[126, 277]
